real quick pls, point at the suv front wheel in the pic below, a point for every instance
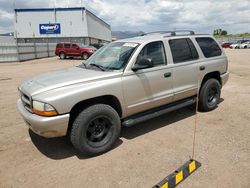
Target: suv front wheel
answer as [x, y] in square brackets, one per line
[209, 95]
[62, 55]
[85, 56]
[95, 129]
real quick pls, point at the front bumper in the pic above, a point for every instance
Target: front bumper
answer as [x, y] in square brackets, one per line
[55, 126]
[224, 78]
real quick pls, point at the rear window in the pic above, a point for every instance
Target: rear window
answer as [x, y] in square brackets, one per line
[183, 50]
[209, 47]
[59, 45]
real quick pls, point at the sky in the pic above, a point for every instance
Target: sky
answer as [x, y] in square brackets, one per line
[149, 15]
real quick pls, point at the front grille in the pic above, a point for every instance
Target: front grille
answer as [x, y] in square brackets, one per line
[26, 100]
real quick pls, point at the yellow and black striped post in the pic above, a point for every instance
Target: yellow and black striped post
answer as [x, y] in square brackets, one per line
[179, 175]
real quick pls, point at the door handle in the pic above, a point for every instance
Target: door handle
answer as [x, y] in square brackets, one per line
[202, 68]
[167, 74]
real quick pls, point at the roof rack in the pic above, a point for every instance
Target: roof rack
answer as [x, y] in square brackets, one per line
[172, 33]
[156, 32]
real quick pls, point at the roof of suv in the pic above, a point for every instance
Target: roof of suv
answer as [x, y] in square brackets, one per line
[160, 35]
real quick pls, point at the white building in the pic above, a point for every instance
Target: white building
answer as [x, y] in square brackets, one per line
[60, 25]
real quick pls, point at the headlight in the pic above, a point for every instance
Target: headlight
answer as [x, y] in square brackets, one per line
[43, 109]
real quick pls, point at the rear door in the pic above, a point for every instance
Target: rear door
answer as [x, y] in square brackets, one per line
[67, 48]
[185, 67]
[214, 58]
[75, 49]
[150, 87]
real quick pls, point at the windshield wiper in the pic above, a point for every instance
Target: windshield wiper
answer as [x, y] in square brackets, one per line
[98, 66]
[82, 66]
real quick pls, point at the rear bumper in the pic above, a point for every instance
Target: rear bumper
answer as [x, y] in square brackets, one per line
[44, 126]
[224, 78]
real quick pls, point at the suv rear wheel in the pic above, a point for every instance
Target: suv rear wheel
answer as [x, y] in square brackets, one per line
[209, 95]
[85, 56]
[95, 129]
[62, 55]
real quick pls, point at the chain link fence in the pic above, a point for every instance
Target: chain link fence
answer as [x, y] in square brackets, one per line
[25, 51]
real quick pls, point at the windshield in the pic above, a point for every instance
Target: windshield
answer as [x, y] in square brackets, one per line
[113, 56]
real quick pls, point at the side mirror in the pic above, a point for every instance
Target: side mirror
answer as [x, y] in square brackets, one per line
[142, 64]
[77, 48]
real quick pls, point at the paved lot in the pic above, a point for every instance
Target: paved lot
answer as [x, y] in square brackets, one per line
[144, 153]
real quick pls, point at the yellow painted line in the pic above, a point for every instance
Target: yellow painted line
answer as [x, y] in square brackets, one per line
[165, 185]
[178, 177]
[192, 166]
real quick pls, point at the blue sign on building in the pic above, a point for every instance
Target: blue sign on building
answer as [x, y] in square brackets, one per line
[50, 28]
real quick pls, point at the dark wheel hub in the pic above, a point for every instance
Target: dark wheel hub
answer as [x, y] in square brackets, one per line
[99, 131]
[212, 95]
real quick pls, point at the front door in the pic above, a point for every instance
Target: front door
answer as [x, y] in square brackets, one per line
[149, 87]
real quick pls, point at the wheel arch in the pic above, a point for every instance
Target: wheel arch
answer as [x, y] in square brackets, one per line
[105, 99]
[215, 75]
[84, 51]
[61, 51]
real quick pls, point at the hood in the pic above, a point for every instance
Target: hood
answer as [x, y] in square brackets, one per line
[60, 78]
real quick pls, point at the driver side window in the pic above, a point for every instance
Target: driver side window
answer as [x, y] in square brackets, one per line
[155, 52]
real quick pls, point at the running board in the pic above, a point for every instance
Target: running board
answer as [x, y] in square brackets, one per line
[144, 116]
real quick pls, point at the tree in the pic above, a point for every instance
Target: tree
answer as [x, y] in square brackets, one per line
[223, 32]
[220, 32]
[215, 32]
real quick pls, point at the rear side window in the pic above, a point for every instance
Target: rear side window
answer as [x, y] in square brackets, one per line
[183, 50]
[209, 47]
[59, 45]
[66, 45]
[154, 51]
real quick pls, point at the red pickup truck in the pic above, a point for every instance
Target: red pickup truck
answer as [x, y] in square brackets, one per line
[64, 50]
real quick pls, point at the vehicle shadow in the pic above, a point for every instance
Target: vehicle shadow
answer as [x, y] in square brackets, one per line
[61, 148]
[156, 123]
[71, 58]
[159, 122]
[58, 148]
[221, 100]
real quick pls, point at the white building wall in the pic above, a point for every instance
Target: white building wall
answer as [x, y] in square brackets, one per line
[27, 23]
[73, 23]
[97, 29]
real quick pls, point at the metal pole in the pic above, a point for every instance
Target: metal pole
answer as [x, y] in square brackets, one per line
[15, 32]
[55, 18]
[34, 43]
[47, 44]
[17, 48]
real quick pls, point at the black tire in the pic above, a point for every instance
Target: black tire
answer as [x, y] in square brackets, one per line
[85, 56]
[62, 55]
[95, 129]
[209, 95]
